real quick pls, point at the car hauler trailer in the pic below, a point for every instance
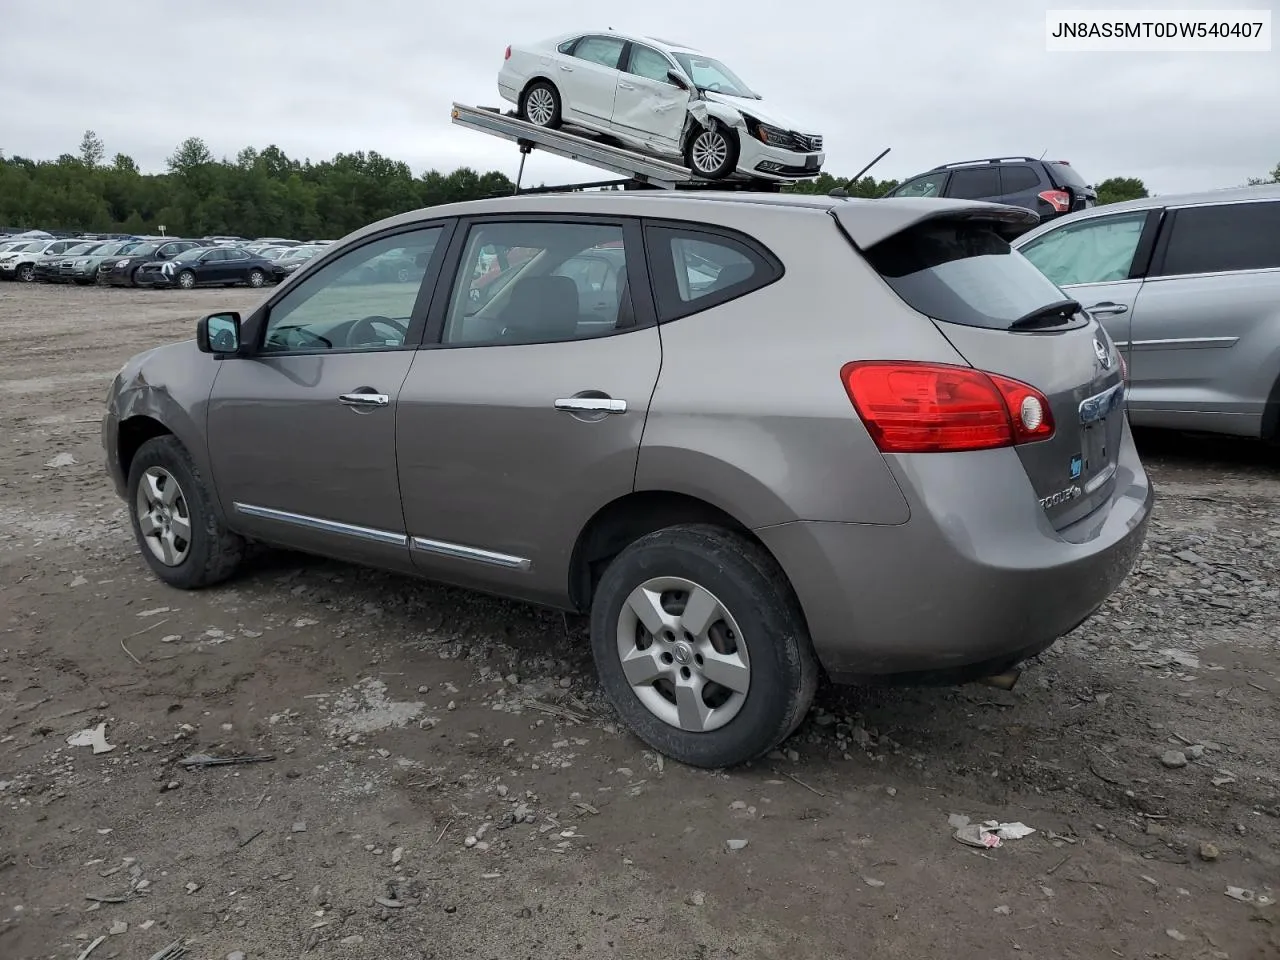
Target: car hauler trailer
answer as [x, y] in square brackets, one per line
[637, 171]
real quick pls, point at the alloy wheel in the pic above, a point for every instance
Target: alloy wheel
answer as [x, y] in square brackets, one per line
[710, 150]
[540, 106]
[163, 516]
[682, 653]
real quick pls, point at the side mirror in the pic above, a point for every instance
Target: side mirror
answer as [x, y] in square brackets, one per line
[218, 333]
[678, 79]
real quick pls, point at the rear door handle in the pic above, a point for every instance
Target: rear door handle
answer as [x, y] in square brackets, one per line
[365, 399]
[566, 68]
[591, 405]
[1108, 309]
[626, 86]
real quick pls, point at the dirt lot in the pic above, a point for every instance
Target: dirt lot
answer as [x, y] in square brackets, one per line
[445, 780]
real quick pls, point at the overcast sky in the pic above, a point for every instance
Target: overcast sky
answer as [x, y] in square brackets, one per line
[935, 80]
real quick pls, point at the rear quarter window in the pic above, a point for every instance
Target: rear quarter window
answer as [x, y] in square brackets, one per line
[1066, 175]
[694, 268]
[962, 271]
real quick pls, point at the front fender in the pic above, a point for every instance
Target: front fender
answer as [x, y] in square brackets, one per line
[171, 386]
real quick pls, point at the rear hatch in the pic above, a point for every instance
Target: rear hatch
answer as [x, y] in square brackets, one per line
[1006, 318]
[1065, 176]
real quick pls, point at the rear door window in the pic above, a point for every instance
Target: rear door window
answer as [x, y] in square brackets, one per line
[1223, 237]
[1098, 250]
[974, 184]
[1016, 179]
[962, 271]
[606, 51]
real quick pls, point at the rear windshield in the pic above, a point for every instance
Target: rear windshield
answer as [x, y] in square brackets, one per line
[962, 271]
[1066, 175]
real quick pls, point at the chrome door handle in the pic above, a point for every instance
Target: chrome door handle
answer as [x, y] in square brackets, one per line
[1108, 309]
[365, 399]
[591, 405]
[626, 86]
[566, 68]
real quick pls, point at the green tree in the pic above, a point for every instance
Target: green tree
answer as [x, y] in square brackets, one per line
[260, 192]
[1117, 189]
[92, 149]
[1273, 177]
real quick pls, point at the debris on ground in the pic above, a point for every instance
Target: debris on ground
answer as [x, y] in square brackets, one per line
[205, 760]
[736, 844]
[95, 737]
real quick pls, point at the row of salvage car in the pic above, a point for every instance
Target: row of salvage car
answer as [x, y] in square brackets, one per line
[151, 262]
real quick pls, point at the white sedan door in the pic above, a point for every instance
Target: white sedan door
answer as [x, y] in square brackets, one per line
[648, 106]
[587, 79]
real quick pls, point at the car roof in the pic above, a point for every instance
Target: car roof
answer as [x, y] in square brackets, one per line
[866, 221]
[668, 46]
[1265, 191]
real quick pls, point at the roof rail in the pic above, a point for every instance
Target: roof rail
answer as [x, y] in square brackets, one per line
[638, 170]
[966, 163]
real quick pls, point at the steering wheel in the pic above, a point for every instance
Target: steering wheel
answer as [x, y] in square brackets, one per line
[362, 332]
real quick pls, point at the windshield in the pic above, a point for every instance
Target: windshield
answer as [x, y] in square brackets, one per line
[708, 74]
[80, 248]
[193, 253]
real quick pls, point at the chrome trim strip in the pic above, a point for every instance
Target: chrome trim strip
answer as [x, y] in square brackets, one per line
[324, 526]
[1184, 343]
[1100, 405]
[458, 551]
[592, 404]
[1106, 474]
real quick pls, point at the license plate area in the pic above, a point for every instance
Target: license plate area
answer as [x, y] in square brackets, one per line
[1096, 463]
[811, 162]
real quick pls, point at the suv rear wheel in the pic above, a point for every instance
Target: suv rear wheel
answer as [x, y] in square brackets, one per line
[701, 647]
[177, 530]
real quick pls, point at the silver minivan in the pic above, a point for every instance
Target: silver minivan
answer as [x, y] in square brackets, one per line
[1189, 288]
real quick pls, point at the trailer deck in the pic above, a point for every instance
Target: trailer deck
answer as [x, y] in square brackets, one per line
[637, 170]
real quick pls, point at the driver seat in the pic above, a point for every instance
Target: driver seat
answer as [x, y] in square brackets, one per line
[541, 308]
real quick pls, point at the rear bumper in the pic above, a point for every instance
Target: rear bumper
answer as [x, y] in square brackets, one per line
[977, 576]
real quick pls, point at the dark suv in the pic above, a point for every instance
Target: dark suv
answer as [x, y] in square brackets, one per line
[1049, 188]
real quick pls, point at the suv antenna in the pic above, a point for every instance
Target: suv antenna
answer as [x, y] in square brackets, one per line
[1046, 150]
[863, 172]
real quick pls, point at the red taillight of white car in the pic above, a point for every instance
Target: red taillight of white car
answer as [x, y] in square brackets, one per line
[1060, 200]
[913, 407]
[507, 55]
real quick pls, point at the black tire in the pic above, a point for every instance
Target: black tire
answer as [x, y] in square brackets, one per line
[751, 586]
[538, 90]
[701, 139]
[214, 552]
[186, 280]
[133, 276]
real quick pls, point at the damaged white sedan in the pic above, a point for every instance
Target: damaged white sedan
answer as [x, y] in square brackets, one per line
[658, 97]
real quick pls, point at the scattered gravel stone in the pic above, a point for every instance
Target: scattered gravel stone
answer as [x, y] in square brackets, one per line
[118, 928]
[1175, 935]
[738, 805]
[736, 844]
[696, 899]
[300, 826]
[235, 955]
[872, 883]
[1208, 852]
[1173, 759]
[1003, 910]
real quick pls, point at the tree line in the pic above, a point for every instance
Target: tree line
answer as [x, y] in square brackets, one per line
[267, 193]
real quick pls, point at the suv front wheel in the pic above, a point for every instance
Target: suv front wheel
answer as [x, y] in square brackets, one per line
[177, 530]
[701, 647]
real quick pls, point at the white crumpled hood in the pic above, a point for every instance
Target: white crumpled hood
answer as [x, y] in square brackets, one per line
[758, 110]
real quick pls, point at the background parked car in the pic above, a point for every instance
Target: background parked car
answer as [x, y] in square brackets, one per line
[1189, 288]
[19, 263]
[122, 270]
[1050, 188]
[84, 268]
[56, 267]
[210, 266]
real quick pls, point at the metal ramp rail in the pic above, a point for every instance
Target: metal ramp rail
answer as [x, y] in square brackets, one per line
[637, 170]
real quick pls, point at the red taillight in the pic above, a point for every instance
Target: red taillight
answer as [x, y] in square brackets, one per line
[507, 55]
[911, 407]
[1060, 200]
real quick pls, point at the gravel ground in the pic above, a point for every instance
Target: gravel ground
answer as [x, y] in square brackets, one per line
[445, 781]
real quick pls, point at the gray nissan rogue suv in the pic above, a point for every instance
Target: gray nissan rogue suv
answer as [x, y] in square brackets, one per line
[752, 436]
